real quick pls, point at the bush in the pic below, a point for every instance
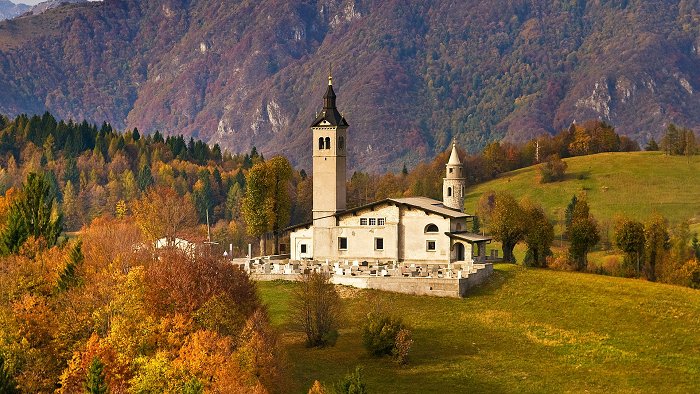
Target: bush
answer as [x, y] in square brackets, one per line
[560, 262]
[553, 170]
[316, 309]
[404, 341]
[352, 384]
[379, 334]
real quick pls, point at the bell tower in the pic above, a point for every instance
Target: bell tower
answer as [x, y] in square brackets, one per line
[329, 161]
[454, 183]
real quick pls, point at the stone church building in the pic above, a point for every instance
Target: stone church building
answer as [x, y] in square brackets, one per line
[412, 230]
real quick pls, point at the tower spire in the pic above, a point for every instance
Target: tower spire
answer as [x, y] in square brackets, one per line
[330, 74]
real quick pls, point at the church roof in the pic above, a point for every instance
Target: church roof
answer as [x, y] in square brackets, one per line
[430, 205]
[329, 116]
[423, 203]
[454, 157]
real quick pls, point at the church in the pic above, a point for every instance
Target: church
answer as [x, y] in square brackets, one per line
[412, 230]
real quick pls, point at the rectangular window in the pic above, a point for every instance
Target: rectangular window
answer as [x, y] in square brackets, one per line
[363, 221]
[372, 221]
[342, 243]
[381, 221]
[379, 243]
[303, 248]
[430, 246]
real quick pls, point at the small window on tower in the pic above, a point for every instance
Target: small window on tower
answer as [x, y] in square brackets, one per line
[303, 248]
[341, 143]
[328, 142]
[451, 170]
[381, 221]
[449, 192]
[363, 221]
[342, 243]
[372, 221]
[320, 143]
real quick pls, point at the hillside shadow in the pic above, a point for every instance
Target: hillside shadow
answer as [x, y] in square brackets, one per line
[578, 175]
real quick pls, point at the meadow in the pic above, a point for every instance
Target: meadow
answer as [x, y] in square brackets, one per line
[528, 330]
[633, 184]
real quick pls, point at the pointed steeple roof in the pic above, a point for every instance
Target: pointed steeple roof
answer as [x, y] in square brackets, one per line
[329, 116]
[454, 157]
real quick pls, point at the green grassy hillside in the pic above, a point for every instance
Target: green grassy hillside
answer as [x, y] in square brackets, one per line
[526, 331]
[634, 184]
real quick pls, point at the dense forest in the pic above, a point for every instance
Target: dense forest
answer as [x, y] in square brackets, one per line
[250, 74]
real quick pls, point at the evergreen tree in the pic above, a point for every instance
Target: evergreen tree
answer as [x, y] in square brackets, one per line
[144, 177]
[68, 277]
[476, 226]
[568, 215]
[32, 215]
[95, 380]
[652, 145]
[7, 383]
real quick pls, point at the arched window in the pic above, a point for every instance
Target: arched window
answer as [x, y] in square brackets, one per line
[449, 192]
[431, 228]
[320, 143]
[341, 143]
[328, 142]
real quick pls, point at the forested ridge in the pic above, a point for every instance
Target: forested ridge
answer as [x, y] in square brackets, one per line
[252, 73]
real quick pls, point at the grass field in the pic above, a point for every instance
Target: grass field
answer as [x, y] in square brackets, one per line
[634, 184]
[526, 331]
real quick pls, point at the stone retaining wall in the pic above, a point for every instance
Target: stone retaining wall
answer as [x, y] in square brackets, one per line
[440, 287]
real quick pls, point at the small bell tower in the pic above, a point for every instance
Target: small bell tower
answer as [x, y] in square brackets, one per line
[454, 183]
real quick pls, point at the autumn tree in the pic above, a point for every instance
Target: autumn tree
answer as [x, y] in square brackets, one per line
[32, 215]
[583, 234]
[552, 170]
[507, 224]
[316, 309]
[539, 235]
[657, 243]
[267, 204]
[630, 239]
[161, 212]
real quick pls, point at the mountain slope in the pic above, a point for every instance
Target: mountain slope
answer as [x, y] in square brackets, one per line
[253, 72]
[9, 10]
[634, 184]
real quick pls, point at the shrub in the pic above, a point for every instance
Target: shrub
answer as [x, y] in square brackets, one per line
[404, 341]
[560, 262]
[316, 309]
[553, 170]
[352, 384]
[379, 333]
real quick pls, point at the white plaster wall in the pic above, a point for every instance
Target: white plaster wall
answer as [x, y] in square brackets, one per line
[414, 239]
[296, 239]
[361, 239]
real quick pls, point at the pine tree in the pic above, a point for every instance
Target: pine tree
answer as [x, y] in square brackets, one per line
[32, 215]
[7, 383]
[68, 277]
[95, 380]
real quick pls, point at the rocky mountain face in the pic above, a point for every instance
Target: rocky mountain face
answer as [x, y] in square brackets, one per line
[410, 74]
[51, 4]
[9, 10]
